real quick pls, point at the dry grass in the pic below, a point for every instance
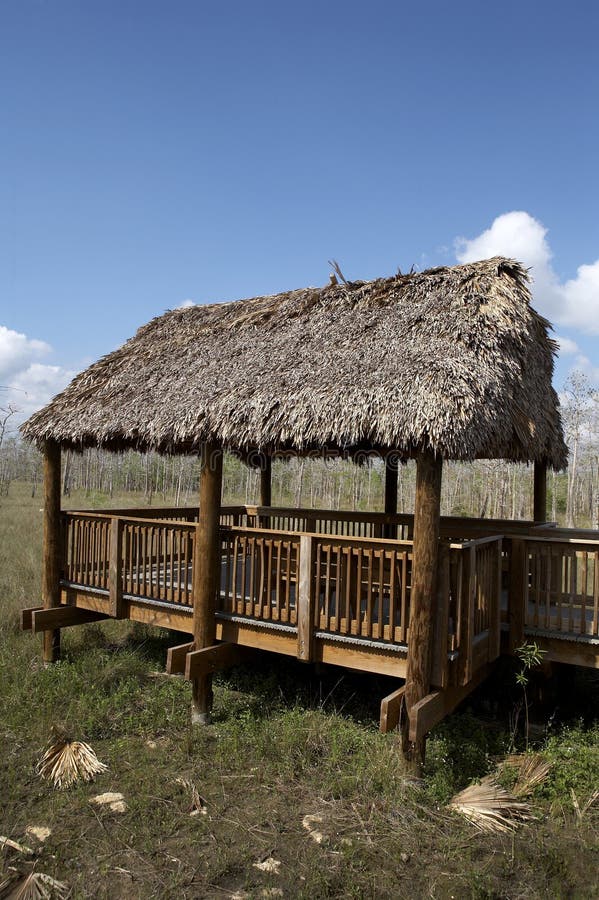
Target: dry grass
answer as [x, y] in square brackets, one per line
[280, 767]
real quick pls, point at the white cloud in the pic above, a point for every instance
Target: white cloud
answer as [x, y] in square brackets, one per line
[17, 351]
[517, 234]
[567, 347]
[186, 304]
[27, 384]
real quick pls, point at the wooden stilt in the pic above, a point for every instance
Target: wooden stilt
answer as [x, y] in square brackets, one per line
[540, 492]
[390, 531]
[427, 515]
[52, 546]
[206, 574]
[266, 481]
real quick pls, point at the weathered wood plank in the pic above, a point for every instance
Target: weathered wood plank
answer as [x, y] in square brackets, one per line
[175, 658]
[43, 620]
[429, 711]
[115, 579]
[305, 600]
[26, 617]
[208, 660]
[391, 710]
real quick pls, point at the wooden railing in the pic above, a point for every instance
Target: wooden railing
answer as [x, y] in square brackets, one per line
[473, 617]
[336, 586]
[362, 588]
[128, 556]
[259, 574]
[558, 587]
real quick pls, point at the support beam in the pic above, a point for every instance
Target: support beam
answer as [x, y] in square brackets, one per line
[540, 492]
[429, 711]
[305, 600]
[206, 573]
[266, 481]
[427, 515]
[391, 710]
[52, 546]
[45, 620]
[176, 657]
[212, 659]
[391, 471]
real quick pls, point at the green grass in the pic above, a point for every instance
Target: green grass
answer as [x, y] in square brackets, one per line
[287, 742]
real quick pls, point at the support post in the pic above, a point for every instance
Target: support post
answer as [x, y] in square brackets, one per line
[391, 464]
[518, 593]
[427, 515]
[266, 481]
[52, 546]
[540, 492]
[206, 573]
[115, 580]
[305, 600]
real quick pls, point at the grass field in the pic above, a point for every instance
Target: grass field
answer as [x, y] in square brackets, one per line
[300, 795]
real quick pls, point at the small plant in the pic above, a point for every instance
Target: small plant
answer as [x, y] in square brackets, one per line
[530, 656]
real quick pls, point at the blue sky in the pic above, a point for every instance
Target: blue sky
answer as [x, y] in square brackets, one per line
[153, 153]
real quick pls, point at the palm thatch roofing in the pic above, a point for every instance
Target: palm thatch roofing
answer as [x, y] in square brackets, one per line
[453, 359]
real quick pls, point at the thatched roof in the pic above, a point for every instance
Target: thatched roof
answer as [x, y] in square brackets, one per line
[453, 359]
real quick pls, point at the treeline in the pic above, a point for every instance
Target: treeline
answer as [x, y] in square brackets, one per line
[493, 488]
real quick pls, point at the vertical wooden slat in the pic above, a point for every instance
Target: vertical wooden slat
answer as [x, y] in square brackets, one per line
[305, 599]
[518, 592]
[381, 627]
[117, 605]
[572, 596]
[583, 591]
[596, 595]
[440, 662]
[495, 607]
[369, 590]
[404, 599]
[392, 589]
[465, 660]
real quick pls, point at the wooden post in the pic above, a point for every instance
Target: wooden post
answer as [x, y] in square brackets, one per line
[52, 546]
[115, 579]
[518, 592]
[206, 573]
[540, 492]
[390, 531]
[427, 515]
[305, 600]
[266, 481]
[440, 661]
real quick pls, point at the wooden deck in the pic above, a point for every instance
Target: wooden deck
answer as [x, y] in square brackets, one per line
[335, 587]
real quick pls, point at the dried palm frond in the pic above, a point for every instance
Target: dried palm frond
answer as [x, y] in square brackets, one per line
[198, 805]
[13, 845]
[37, 886]
[490, 807]
[531, 770]
[66, 762]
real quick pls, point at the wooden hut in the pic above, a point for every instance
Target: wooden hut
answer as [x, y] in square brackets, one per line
[450, 363]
